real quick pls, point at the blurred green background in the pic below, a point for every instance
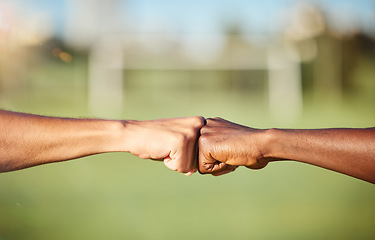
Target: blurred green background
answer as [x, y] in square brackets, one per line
[119, 196]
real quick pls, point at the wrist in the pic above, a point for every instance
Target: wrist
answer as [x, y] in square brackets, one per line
[128, 132]
[271, 145]
[116, 134]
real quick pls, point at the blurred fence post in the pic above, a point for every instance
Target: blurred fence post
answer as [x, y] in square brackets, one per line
[105, 87]
[284, 84]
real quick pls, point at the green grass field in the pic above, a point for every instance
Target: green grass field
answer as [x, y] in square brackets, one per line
[118, 196]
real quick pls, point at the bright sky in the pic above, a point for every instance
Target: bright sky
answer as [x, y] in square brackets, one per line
[206, 16]
[258, 16]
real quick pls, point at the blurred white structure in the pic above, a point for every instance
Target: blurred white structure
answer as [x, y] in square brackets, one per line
[105, 88]
[284, 84]
[98, 26]
[90, 24]
[106, 65]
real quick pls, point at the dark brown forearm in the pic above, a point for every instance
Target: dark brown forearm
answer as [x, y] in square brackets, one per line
[349, 151]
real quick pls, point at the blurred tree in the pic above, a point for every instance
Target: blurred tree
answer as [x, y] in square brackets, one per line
[357, 47]
[319, 49]
[328, 67]
[330, 60]
[240, 60]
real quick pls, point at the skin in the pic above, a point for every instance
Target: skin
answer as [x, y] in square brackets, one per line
[28, 140]
[223, 146]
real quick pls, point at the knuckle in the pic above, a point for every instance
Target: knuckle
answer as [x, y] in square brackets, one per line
[181, 138]
[187, 135]
[209, 120]
[213, 121]
[203, 169]
[203, 140]
[204, 130]
[199, 121]
[191, 134]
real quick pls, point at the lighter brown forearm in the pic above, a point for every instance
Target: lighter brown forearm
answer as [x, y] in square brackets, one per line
[28, 140]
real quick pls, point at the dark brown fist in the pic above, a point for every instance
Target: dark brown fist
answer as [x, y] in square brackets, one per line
[223, 146]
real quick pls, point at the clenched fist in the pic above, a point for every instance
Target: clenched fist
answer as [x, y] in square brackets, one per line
[170, 140]
[223, 146]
